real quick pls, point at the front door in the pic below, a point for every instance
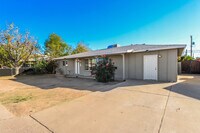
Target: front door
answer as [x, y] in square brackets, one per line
[150, 67]
[77, 66]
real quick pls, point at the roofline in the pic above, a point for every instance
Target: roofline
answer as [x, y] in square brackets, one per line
[158, 49]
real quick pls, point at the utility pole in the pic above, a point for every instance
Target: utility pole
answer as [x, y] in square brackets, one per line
[191, 45]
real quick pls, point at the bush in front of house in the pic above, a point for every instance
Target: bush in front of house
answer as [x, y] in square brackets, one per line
[45, 67]
[104, 70]
[51, 67]
[42, 67]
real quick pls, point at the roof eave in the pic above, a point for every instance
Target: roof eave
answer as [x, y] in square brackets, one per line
[123, 52]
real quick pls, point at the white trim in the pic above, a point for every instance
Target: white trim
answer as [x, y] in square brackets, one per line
[75, 65]
[124, 70]
[78, 67]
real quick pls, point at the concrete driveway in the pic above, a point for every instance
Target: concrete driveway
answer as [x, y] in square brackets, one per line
[134, 106]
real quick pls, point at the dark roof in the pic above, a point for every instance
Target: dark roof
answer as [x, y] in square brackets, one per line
[123, 49]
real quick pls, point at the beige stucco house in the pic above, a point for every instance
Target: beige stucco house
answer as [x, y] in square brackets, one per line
[147, 62]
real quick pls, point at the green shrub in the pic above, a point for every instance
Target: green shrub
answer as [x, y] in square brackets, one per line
[40, 67]
[51, 66]
[185, 58]
[104, 70]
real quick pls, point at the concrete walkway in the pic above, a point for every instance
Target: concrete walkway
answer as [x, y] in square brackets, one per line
[4, 113]
[136, 106]
[11, 124]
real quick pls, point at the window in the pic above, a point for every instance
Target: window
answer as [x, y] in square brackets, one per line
[93, 62]
[89, 63]
[99, 59]
[86, 64]
[65, 63]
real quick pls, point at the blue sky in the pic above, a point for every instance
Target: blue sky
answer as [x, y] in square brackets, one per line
[100, 23]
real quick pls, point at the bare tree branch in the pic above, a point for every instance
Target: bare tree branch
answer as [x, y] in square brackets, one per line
[19, 47]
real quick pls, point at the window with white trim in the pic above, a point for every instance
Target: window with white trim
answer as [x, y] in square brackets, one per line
[89, 63]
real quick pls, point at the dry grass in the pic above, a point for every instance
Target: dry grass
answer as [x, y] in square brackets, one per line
[31, 99]
[6, 77]
[23, 95]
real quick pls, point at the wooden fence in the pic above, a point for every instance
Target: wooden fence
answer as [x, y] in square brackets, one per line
[192, 67]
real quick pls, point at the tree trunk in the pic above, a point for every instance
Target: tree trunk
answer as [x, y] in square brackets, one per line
[17, 70]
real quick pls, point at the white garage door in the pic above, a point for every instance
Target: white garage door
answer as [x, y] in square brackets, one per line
[150, 67]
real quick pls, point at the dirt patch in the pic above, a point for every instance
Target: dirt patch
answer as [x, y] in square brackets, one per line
[6, 77]
[28, 100]
[23, 95]
[26, 97]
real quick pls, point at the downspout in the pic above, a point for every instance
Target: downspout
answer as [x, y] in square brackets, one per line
[123, 62]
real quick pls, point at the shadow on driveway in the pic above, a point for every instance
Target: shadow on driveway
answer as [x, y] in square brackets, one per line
[188, 85]
[52, 81]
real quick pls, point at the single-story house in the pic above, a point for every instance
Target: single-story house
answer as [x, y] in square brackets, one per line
[148, 62]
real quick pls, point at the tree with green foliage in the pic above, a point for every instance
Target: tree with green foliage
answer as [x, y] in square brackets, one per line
[4, 57]
[104, 70]
[17, 47]
[55, 46]
[80, 48]
[186, 58]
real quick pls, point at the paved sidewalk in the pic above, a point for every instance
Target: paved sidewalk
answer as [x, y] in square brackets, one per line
[11, 124]
[4, 113]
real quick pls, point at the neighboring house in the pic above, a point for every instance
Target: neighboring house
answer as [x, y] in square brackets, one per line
[148, 62]
[31, 62]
